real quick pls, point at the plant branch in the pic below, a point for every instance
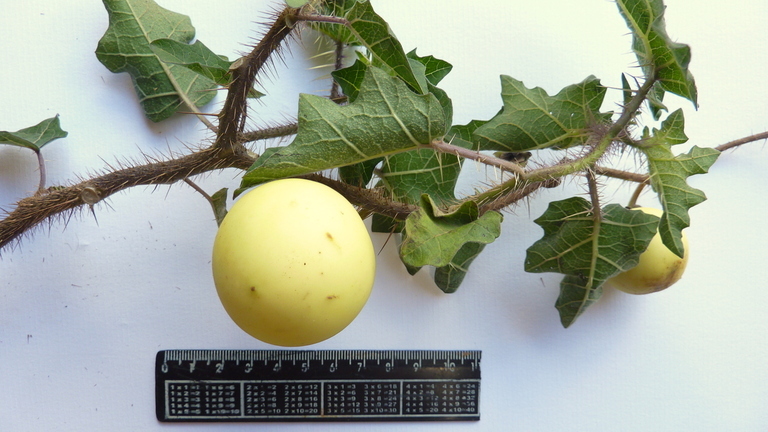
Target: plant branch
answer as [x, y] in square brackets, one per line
[518, 193]
[741, 141]
[505, 165]
[233, 114]
[270, 132]
[41, 167]
[369, 199]
[31, 211]
[594, 195]
[603, 142]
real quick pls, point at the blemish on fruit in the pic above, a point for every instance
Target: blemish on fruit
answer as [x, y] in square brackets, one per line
[331, 297]
[330, 237]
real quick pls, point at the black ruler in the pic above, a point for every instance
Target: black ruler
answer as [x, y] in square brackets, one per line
[320, 385]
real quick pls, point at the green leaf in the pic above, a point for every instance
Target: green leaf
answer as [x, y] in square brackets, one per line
[406, 176]
[434, 69]
[655, 50]
[531, 119]
[296, 3]
[434, 238]
[219, 205]
[350, 79]
[359, 174]
[35, 137]
[668, 174]
[126, 47]
[449, 277]
[672, 131]
[587, 250]
[409, 175]
[196, 57]
[374, 33]
[386, 118]
[368, 29]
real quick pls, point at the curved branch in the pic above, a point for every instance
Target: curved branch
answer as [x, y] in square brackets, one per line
[244, 71]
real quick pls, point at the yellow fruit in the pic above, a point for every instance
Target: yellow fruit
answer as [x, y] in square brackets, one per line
[293, 262]
[658, 268]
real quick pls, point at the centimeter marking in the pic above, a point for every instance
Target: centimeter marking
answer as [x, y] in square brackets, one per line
[318, 385]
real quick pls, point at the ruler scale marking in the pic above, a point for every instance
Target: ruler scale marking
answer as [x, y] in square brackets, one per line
[322, 385]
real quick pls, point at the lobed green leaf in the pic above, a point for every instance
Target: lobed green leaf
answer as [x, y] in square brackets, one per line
[587, 250]
[374, 33]
[434, 238]
[126, 47]
[196, 57]
[531, 119]
[659, 56]
[668, 175]
[386, 118]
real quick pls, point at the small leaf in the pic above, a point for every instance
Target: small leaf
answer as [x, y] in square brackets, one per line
[587, 250]
[359, 174]
[196, 57]
[531, 119]
[657, 54]
[219, 205]
[434, 238]
[668, 174]
[35, 137]
[350, 79]
[386, 118]
[125, 47]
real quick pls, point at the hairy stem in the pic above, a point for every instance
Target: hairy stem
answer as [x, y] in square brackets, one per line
[31, 211]
[271, 132]
[619, 174]
[594, 195]
[338, 64]
[235, 111]
[444, 147]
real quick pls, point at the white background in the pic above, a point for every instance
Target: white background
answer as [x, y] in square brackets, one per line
[85, 305]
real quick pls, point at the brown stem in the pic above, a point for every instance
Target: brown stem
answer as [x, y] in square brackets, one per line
[368, 199]
[505, 165]
[619, 174]
[271, 132]
[30, 211]
[233, 114]
[740, 141]
[199, 190]
[594, 195]
[339, 53]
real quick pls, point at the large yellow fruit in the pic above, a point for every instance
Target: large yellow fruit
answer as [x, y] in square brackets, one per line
[293, 262]
[658, 268]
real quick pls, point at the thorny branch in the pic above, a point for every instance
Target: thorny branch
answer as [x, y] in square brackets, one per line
[229, 151]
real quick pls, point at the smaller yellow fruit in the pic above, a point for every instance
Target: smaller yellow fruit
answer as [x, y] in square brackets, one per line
[658, 269]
